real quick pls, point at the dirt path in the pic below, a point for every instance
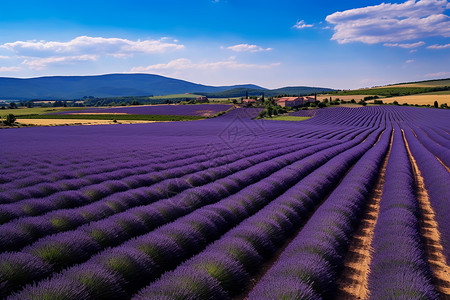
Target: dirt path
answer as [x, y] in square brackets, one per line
[352, 283]
[430, 233]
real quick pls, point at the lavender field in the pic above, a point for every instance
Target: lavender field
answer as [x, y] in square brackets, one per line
[180, 110]
[353, 202]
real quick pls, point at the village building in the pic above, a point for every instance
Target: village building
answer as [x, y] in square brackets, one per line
[202, 99]
[249, 101]
[290, 101]
[309, 99]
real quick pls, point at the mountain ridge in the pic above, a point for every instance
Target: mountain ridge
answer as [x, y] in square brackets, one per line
[122, 85]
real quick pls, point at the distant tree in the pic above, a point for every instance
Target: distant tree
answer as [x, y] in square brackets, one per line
[246, 94]
[275, 112]
[322, 105]
[10, 119]
[269, 110]
[234, 101]
[262, 114]
[436, 104]
[352, 101]
[395, 103]
[135, 102]
[325, 100]
[262, 98]
[3, 107]
[12, 105]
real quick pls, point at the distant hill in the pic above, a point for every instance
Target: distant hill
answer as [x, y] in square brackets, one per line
[294, 90]
[426, 83]
[402, 89]
[111, 85]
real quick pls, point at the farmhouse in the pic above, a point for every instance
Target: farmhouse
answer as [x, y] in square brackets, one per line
[290, 101]
[308, 99]
[202, 99]
[249, 101]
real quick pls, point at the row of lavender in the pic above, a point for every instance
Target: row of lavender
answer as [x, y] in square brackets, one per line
[76, 246]
[159, 225]
[191, 233]
[26, 229]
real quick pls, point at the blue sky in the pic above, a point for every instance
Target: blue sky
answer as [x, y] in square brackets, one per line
[339, 44]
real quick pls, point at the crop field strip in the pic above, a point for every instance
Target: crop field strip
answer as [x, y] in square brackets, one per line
[325, 146]
[352, 283]
[313, 151]
[430, 233]
[10, 237]
[279, 217]
[269, 177]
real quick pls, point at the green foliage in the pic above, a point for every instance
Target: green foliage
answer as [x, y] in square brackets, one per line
[393, 91]
[436, 104]
[322, 105]
[10, 119]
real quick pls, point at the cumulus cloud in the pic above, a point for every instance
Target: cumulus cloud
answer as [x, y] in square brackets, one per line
[409, 61]
[439, 46]
[4, 57]
[41, 63]
[184, 64]
[38, 54]
[9, 69]
[391, 22]
[247, 48]
[84, 45]
[406, 46]
[301, 25]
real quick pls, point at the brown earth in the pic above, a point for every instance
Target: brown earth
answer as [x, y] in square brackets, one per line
[430, 233]
[353, 282]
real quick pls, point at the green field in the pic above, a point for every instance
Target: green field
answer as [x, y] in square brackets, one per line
[426, 83]
[35, 110]
[437, 93]
[115, 117]
[287, 118]
[393, 91]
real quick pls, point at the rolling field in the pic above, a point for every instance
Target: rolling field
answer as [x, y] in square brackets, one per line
[204, 110]
[352, 202]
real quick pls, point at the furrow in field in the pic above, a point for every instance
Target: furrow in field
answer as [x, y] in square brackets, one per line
[430, 232]
[352, 283]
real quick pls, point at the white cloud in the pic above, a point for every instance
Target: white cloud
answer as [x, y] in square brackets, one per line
[184, 64]
[301, 25]
[41, 63]
[409, 61]
[439, 46]
[390, 22]
[39, 54]
[438, 74]
[4, 57]
[9, 69]
[406, 46]
[83, 45]
[247, 48]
